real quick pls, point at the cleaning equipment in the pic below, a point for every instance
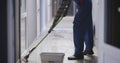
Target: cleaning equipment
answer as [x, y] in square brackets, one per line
[48, 57]
[62, 11]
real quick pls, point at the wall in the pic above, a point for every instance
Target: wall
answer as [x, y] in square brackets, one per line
[11, 32]
[107, 53]
[31, 23]
[43, 15]
[95, 11]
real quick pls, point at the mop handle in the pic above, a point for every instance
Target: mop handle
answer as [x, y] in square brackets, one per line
[62, 11]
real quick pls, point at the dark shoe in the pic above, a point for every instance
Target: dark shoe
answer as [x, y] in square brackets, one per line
[86, 52]
[76, 57]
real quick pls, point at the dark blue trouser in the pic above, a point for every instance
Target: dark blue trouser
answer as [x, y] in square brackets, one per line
[83, 27]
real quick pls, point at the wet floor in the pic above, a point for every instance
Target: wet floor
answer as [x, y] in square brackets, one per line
[60, 41]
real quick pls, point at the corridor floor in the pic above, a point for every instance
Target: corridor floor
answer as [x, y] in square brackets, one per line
[60, 41]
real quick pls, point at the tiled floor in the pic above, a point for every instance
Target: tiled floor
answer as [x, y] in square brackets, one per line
[60, 41]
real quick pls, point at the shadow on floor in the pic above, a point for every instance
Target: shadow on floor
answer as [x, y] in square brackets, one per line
[87, 59]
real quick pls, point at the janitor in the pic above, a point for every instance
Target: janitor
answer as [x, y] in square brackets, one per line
[82, 30]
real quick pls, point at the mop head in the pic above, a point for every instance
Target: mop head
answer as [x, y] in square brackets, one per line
[25, 56]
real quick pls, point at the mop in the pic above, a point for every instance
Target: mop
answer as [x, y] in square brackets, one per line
[62, 12]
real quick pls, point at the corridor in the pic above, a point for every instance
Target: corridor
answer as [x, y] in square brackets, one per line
[60, 40]
[25, 22]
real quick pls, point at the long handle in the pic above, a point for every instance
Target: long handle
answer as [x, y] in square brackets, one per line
[62, 11]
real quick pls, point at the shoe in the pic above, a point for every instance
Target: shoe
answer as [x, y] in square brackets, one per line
[76, 57]
[87, 52]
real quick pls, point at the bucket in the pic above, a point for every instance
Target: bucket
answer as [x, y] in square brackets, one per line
[52, 57]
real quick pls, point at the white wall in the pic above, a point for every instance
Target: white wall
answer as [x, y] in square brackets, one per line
[95, 11]
[49, 10]
[43, 15]
[31, 23]
[101, 31]
[38, 17]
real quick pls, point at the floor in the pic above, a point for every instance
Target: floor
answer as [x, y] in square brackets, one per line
[60, 40]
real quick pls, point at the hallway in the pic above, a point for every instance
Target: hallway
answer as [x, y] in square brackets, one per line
[34, 17]
[60, 41]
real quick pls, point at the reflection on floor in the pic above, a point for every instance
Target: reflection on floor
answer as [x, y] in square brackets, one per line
[87, 59]
[60, 41]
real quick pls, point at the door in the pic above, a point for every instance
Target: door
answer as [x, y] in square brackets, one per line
[109, 34]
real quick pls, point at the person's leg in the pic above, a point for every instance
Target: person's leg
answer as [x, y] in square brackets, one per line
[78, 36]
[89, 43]
[89, 35]
[89, 38]
[79, 28]
[80, 25]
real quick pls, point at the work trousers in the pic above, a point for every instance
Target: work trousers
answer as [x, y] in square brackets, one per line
[83, 27]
